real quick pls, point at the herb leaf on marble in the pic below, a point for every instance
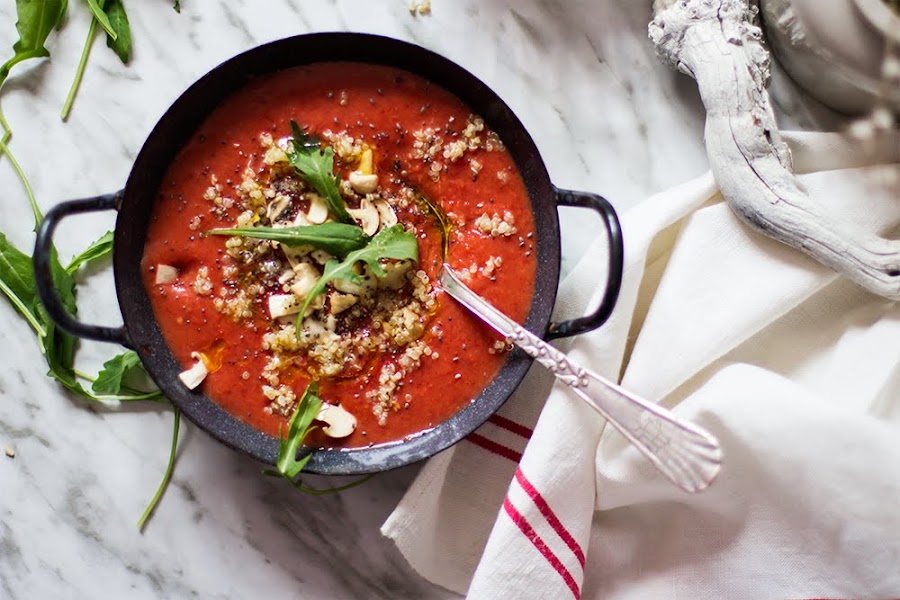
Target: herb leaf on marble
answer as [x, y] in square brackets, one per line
[118, 20]
[100, 16]
[37, 19]
[96, 251]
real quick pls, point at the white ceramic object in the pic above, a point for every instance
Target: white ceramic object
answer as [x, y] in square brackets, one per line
[835, 49]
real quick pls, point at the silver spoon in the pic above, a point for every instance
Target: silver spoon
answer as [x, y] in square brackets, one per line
[685, 453]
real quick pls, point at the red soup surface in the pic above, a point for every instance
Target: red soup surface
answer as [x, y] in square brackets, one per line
[391, 348]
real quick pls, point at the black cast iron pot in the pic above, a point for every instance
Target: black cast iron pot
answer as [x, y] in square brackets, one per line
[135, 203]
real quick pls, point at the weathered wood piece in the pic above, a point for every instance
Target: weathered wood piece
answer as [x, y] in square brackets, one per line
[717, 43]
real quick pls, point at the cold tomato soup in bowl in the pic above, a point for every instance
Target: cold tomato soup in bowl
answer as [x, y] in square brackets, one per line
[341, 188]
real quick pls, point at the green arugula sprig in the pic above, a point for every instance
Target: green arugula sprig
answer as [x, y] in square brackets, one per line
[338, 239]
[288, 466]
[316, 165]
[393, 242]
[17, 283]
[111, 16]
[299, 427]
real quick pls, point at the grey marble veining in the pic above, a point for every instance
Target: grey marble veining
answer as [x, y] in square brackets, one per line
[581, 75]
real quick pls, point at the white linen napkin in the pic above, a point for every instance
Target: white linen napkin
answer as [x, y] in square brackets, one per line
[796, 371]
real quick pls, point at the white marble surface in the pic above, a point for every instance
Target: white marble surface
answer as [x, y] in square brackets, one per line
[581, 75]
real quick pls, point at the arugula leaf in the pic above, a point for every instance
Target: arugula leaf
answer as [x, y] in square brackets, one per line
[37, 18]
[337, 239]
[17, 275]
[99, 249]
[118, 20]
[177, 6]
[109, 380]
[393, 242]
[96, 7]
[316, 166]
[299, 427]
[59, 351]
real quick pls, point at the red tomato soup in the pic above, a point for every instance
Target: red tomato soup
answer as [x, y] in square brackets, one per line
[390, 348]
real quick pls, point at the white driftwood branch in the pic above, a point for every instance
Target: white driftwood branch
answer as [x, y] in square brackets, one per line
[717, 43]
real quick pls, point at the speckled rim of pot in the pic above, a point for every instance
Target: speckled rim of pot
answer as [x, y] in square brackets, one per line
[176, 126]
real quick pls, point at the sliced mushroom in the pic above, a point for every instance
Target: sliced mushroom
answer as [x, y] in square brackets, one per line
[194, 376]
[394, 274]
[318, 210]
[282, 305]
[301, 221]
[341, 423]
[277, 206]
[307, 276]
[363, 183]
[341, 302]
[367, 215]
[165, 274]
[295, 254]
[385, 213]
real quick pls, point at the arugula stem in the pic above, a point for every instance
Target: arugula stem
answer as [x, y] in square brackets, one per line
[85, 53]
[314, 492]
[4, 149]
[135, 395]
[7, 131]
[155, 396]
[167, 476]
[85, 376]
[23, 309]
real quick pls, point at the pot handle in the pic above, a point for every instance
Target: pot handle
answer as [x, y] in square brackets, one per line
[614, 278]
[43, 272]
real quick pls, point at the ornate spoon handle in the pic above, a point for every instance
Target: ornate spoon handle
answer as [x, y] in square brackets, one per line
[685, 453]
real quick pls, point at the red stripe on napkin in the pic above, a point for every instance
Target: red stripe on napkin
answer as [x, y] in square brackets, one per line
[511, 425]
[529, 532]
[551, 517]
[494, 447]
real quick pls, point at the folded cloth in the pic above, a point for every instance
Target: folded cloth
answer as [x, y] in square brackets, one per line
[796, 371]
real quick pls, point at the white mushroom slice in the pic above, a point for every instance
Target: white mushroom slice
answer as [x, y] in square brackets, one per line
[301, 221]
[307, 276]
[295, 254]
[363, 183]
[194, 376]
[341, 302]
[385, 213]
[277, 206]
[318, 210]
[282, 305]
[313, 327]
[395, 274]
[340, 422]
[165, 274]
[367, 215]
